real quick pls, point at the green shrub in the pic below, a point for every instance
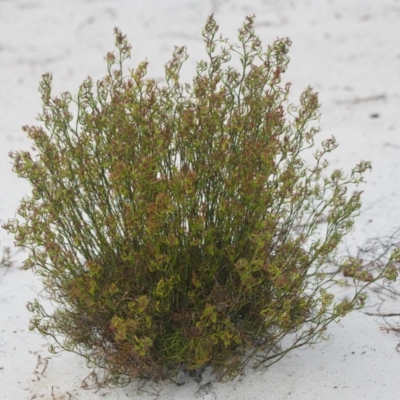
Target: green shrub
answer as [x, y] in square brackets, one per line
[178, 226]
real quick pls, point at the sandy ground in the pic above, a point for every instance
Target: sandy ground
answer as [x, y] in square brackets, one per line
[347, 50]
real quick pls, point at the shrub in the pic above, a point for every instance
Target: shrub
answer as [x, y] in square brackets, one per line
[179, 226]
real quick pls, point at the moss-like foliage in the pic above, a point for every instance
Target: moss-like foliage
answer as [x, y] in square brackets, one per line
[178, 225]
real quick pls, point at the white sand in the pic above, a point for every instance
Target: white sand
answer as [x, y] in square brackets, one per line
[346, 50]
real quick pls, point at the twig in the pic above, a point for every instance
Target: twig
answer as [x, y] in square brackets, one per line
[382, 315]
[390, 329]
[358, 100]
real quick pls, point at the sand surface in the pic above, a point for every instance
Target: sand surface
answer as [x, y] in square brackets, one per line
[347, 50]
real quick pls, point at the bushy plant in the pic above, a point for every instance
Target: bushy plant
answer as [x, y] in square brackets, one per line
[176, 226]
